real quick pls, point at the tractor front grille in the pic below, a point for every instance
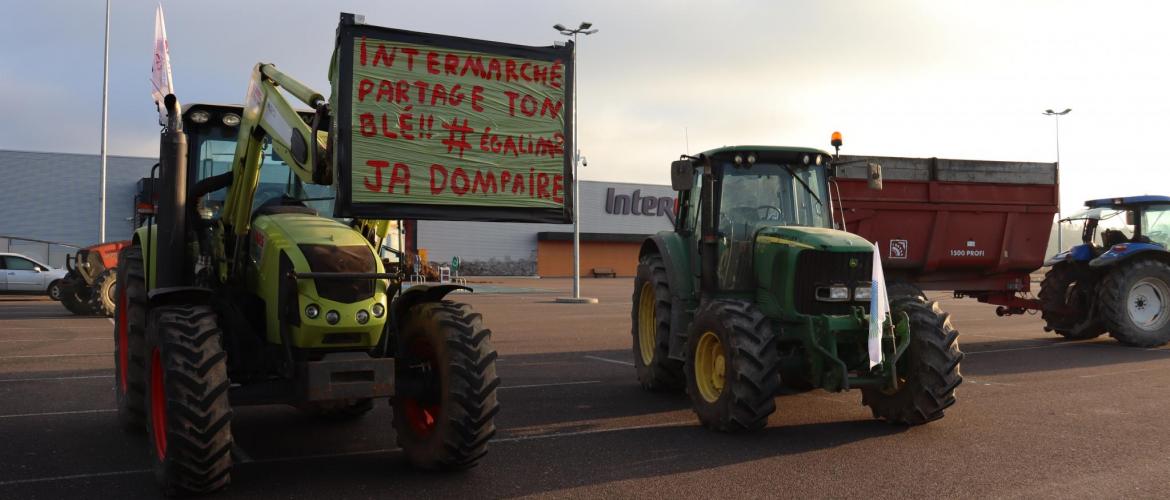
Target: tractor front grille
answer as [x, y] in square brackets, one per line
[341, 259]
[816, 268]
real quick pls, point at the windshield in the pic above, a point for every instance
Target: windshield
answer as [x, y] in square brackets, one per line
[768, 194]
[1156, 224]
[276, 178]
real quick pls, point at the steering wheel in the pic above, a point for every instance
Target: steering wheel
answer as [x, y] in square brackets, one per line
[769, 212]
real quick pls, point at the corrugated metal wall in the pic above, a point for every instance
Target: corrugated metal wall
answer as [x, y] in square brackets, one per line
[54, 196]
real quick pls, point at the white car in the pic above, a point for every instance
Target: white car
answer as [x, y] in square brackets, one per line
[20, 274]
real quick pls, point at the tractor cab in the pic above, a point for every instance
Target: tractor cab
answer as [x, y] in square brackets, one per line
[1113, 228]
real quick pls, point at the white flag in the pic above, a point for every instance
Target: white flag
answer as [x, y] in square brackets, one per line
[879, 307]
[160, 72]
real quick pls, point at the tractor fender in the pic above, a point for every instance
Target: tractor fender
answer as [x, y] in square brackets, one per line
[418, 294]
[1079, 253]
[672, 249]
[1127, 251]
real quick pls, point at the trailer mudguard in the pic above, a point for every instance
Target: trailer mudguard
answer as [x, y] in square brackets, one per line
[671, 247]
[1126, 251]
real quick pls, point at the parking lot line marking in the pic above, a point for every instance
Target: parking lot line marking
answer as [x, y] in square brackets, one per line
[27, 356]
[968, 353]
[532, 386]
[111, 321]
[74, 476]
[15, 328]
[55, 340]
[56, 413]
[1122, 372]
[607, 360]
[515, 439]
[78, 377]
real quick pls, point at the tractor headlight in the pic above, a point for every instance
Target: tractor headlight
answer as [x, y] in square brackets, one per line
[378, 310]
[231, 119]
[200, 116]
[312, 311]
[363, 317]
[834, 293]
[332, 317]
[863, 292]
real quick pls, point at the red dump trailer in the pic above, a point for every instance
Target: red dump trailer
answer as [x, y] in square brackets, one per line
[978, 228]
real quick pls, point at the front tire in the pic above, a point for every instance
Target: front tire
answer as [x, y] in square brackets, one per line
[928, 370]
[650, 320]
[72, 296]
[129, 340]
[445, 398]
[189, 415]
[102, 300]
[1135, 303]
[731, 366]
[1066, 290]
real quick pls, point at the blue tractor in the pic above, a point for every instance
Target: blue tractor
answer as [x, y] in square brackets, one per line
[1118, 279]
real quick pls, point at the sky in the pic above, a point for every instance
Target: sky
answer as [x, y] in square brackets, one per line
[948, 79]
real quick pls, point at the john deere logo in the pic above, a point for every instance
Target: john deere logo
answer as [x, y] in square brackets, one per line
[853, 263]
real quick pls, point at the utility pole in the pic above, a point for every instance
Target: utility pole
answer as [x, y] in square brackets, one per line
[105, 119]
[1059, 230]
[576, 298]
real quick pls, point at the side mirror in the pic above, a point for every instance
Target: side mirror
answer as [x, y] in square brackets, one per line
[682, 175]
[875, 176]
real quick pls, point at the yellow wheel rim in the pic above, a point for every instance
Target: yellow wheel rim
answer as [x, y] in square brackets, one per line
[647, 327]
[710, 366]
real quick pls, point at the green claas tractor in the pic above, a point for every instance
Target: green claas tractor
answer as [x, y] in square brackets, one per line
[755, 291]
[242, 291]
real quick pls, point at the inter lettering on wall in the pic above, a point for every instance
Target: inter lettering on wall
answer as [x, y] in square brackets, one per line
[636, 204]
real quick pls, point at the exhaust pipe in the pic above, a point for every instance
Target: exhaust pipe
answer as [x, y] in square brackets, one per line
[171, 263]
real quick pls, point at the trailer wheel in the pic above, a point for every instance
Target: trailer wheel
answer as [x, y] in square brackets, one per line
[650, 320]
[101, 295]
[1135, 303]
[189, 415]
[928, 371]
[731, 366]
[129, 337]
[1065, 304]
[445, 386]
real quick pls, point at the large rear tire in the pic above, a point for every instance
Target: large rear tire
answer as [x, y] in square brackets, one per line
[1135, 303]
[445, 387]
[928, 370]
[650, 320]
[1066, 302]
[102, 300]
[189, 414]
[731, 366]
[129, 340]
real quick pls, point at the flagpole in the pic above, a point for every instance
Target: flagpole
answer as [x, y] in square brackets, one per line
[105, 118]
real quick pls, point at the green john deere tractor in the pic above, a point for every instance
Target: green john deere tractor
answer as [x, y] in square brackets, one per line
[754, 290]
[241, 292]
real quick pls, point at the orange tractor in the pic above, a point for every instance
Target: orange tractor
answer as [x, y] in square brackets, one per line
[88, 289]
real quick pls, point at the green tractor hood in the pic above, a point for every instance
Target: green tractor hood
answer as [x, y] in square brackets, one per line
[813, 238]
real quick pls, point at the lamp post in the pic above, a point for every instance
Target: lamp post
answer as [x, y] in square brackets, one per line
[105, 115]
[1056, 116]
[583, 29]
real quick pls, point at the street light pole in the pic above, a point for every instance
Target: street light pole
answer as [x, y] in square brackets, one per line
[1056, 116]
[105, 118]
[582, 29]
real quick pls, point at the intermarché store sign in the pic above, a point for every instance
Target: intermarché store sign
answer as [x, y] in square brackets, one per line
[445, 127]
[635, 203]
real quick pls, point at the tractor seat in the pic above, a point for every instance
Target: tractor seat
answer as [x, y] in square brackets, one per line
[1110, 237]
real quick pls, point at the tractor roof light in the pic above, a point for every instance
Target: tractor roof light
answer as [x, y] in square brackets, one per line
[200, 116]
[231, 119]
[835, 140]
[739, 159]
[751, 159]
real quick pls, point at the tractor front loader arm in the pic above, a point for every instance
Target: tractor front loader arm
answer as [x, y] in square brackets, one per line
[268, 114]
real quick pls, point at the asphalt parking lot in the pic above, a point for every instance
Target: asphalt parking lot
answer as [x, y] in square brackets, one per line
[1036, 417]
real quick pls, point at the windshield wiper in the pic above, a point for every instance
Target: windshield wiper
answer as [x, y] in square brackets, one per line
[802, 183]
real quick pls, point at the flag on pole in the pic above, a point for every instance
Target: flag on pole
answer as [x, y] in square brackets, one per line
[160, 72]
[879, 307]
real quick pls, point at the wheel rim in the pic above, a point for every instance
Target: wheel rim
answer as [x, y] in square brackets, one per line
[647, 329]
[123, 343]
[55, 292]
[158, 404]
[710, 367]
[1147, 303]
[421, 408]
